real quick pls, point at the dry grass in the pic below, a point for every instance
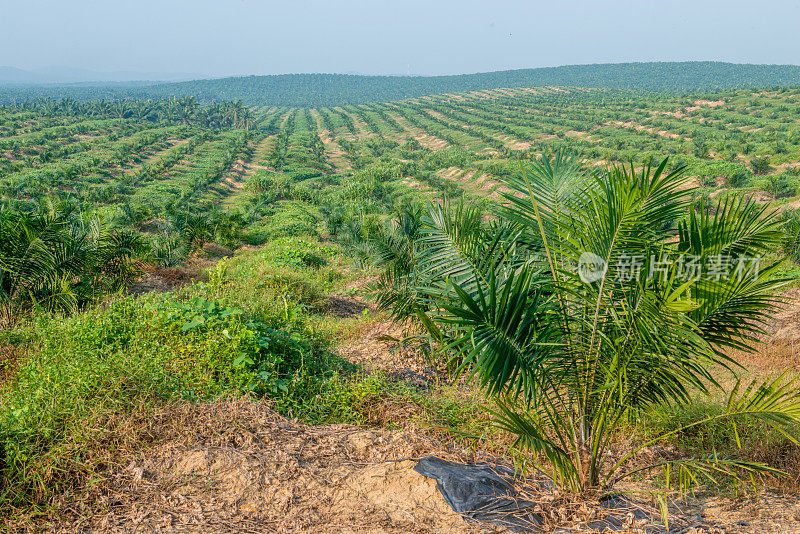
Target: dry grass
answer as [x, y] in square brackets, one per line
[234, 465]
[9, 361]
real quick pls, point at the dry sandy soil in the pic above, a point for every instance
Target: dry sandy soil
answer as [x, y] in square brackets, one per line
[236, 466]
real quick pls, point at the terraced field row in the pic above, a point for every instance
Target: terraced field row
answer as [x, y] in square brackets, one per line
[733, 139]
[109, 161]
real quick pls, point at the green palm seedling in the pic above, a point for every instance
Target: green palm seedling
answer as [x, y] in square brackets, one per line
[117, 251]
[51, 258]
[394, 249]
[600, 295]
[196, 230]
[168, 249]
[791, 225]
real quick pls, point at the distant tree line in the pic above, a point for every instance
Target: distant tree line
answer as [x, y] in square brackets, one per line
[313, 90]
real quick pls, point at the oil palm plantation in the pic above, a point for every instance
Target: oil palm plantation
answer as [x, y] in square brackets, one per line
[582, 304]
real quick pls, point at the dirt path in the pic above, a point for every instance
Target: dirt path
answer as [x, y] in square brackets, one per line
[333, 152]
[242, 170]
[425, 139]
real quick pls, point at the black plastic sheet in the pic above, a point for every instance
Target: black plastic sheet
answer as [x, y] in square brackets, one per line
[481, 492]
[490, 494]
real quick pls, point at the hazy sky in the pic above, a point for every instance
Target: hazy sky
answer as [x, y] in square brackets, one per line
[227, 37]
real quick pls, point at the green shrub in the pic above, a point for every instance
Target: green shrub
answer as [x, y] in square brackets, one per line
[780, 185]
[296, 252]
[760, 165]
[292, 218]
[738, 178]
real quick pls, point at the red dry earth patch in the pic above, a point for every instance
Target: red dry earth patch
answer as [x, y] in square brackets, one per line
[709, 103]
[414, 184]
[510, 142]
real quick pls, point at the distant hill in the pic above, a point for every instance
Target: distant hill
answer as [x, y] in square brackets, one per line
[15, 75]
[341, 89]
[335, 89]
[65, 75]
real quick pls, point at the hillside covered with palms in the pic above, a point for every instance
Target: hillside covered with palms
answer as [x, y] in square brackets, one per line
[312, 90]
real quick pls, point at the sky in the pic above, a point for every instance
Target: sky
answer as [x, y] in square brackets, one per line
[241, 37]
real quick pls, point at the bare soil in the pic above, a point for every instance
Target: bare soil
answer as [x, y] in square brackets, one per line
[156, 278]
[234, 465]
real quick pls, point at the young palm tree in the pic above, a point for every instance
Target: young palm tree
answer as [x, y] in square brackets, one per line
[393, 249]
[53, 259]
[585, 306]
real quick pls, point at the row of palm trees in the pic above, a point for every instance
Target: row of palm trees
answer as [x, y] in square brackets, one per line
[55, 258]
[183, 110]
